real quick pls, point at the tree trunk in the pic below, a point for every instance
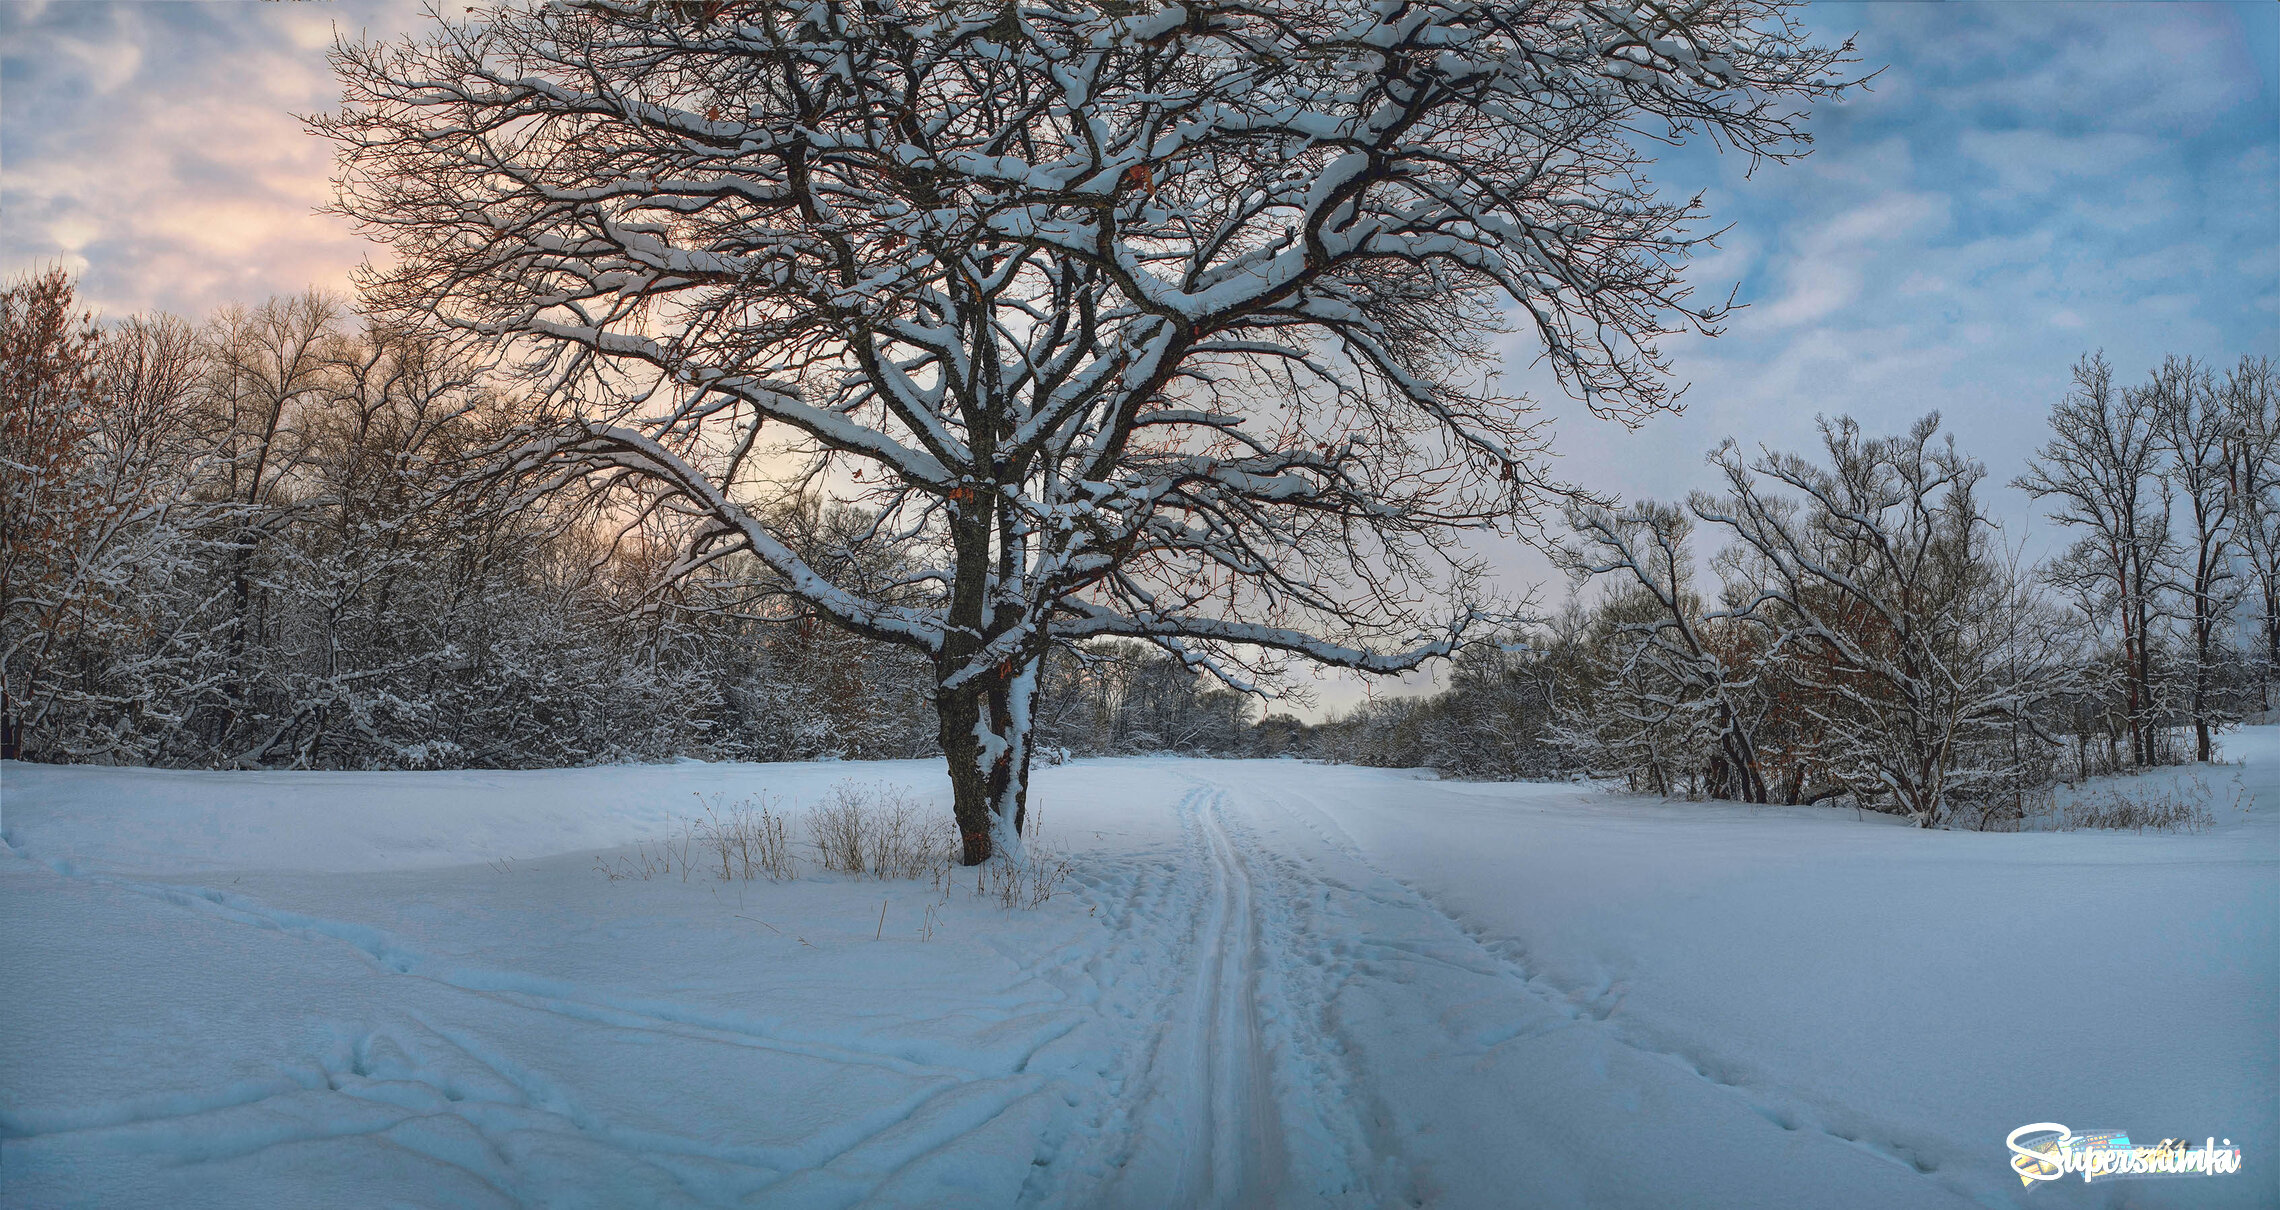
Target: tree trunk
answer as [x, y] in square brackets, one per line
[985, 732]
[2142, 682]
[1745, 761]
[11, 734]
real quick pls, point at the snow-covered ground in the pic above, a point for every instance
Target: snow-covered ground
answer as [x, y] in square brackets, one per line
[1267, 983]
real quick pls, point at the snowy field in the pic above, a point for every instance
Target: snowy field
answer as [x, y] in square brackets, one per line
[1266, 983]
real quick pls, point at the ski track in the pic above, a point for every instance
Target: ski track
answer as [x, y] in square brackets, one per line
[1210, 1133]
[1232, 957]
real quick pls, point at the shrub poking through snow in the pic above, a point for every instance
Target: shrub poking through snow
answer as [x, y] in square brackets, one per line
[2183, 805]
[836, 824]
[879, 830]
[2178, 806]
[651, 859]
[748, 839]
[905, 840]
[1024, 884]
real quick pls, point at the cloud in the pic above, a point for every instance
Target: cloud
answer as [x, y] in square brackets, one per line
[2146, 68]
[2025, 184]
[153, 147]
[2030, 163]
[1828, 264]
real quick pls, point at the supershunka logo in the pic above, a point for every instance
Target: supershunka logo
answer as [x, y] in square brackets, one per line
[2046, 1151]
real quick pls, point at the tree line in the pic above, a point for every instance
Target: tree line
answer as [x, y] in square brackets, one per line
[250, 542]
[270, 540]
[262, 540]
[1864, 633]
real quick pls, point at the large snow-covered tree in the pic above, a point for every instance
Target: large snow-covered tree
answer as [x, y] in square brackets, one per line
[1153, 320]
[2200, 438]
[2252, 398]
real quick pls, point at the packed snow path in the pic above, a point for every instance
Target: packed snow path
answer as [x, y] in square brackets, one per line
[1266, 984]
[1210, 1132]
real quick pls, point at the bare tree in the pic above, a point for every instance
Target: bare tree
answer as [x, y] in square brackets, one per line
[362, 590]
[1157, 321]
[1877, 583]
[2102, 469]
[2252, 400]
[2200, 439]
[268, 364]
[1666, 648]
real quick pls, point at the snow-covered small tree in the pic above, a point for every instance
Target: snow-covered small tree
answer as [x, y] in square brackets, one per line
[1140, 319]
[2101, 474]
[100, 526]
[1876, 578]
[1634, 719]
[1672, 671]
[1497, 718]
[52, 527]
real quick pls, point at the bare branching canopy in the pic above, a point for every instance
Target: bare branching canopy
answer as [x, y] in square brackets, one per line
[1163, 321]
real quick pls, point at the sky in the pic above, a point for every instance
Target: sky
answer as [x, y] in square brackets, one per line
[2020, 184]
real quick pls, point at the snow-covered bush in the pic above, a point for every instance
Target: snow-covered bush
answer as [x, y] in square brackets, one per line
[879, 830]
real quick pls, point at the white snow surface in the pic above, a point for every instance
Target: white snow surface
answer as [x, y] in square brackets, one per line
[1267, 983]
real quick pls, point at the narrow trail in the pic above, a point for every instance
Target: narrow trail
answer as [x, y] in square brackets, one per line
[1210, 1132]
[1246, 1143]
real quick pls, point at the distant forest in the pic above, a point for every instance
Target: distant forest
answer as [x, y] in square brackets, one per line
[253, 541]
